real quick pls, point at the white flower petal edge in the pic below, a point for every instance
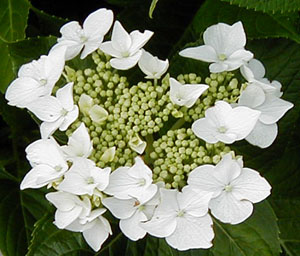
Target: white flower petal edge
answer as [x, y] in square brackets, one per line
[36, 79]
[185, 94]
[235, 188]
[89, 38]
[79, 144]
[226, 124]
[125, 48]
[182, 219]
[132, 182]
[151, 66]
[224, 46]
[48, 162]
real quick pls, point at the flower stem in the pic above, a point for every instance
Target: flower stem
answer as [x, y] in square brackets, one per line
[179, 123]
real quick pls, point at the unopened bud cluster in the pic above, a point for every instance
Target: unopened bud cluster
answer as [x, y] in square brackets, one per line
[178, 152]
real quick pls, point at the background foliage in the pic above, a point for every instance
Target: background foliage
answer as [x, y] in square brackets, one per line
[29, 28]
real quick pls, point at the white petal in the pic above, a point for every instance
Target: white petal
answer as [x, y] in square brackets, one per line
[192, 233]
[108, 155]
[33, 69]
[228, 209]
[48, 128]
[69, 118]
[47, 108]
[252, 96]
[205, 53]
[121, 41]
[73, 47]
[163, 223]
[262, 135]
[225, 39]
[101, 177]
[54, 65]
[227, 170]
[131, 226]
[107, 47]
[121, 209]
[193, 202]
[79, 143]
[139, 39]
[65, 96]
[65, 218]
[85, 103]
[257, 68]
[250, 186]
[46, 151]
[137, 144]
[98, 114]
[273, 109]
[237, 59]
[242, 121]
[97, 235]
[70, 31]
[218, 67]
[39, 176]
[97, 24]
[23, 91]
[91, 46]
[247, 73]
[205, 130]
[62, 201]
[126, 62]
[202, 178]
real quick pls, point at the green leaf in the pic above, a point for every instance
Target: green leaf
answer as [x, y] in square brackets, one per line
[152, 7]
[13, 19]
[288, 211]
[269, 5]
[6, 67]
[258, 235]
[48, 240]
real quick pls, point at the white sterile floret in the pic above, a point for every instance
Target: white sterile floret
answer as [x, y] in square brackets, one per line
[226, 124]
[272, 108]
[224, 46]
[125, 48]
[185, 94]
[94, 227]
[84, 177]
[151, 66]
[137, 144]
[254, 72]
[36, 79]
[48, 162]
[69, 207]
[234, 188]
[89, 37]
[79, 144]
[132, 212]
[182, 219]
[55, 112]
[129, 182]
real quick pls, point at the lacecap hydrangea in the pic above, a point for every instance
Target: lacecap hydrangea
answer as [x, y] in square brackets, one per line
[155, 154]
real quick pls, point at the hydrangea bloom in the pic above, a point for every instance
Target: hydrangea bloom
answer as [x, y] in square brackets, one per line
[224, 46]
[140, 150]
[234, 188]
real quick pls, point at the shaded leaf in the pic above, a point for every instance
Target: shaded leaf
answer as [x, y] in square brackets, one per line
[268, 6]
[13, 19]
[6, 67]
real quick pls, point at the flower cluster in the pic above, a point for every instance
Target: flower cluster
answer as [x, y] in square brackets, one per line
[153, 153]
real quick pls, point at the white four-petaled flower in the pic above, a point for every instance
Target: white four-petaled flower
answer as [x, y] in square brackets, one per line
[125, 48]
[47, 161]
[55, 112]
[224, 47]
[36, 79]
[185, 94]
[226, 124]
[151, 66]
[182, 219]
[89, 37]
[234, 188]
